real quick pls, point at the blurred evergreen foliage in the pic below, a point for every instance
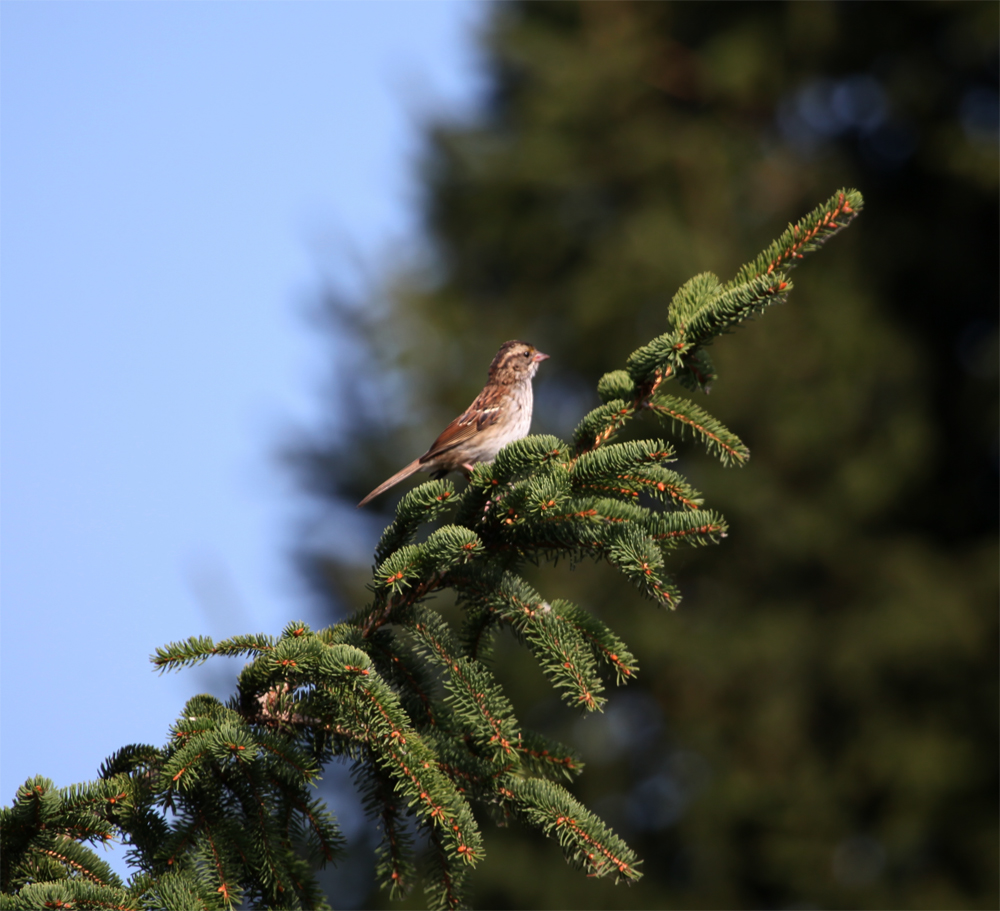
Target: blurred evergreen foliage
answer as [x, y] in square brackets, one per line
[817, 725]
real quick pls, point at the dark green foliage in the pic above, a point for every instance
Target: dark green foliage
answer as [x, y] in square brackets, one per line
[584, 839]
[617, 385]
[242, 826]
[422, 504]
[688, 417]
[412, 703]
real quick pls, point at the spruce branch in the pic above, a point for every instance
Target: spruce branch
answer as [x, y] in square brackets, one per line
[545, 758]
[404, 671]
[561, 646]
[475, 700]
[222, 815]
[444, 880]
[395, 866]
[713, 434]
[805, 236]
[586, 842]
[419, 506]
[606, 647]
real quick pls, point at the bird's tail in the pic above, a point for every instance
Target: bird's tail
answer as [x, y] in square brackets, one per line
[400, 475]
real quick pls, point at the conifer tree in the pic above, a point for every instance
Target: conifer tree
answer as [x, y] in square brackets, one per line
[223, 816]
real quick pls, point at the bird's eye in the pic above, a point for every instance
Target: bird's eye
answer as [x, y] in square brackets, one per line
[527, 354]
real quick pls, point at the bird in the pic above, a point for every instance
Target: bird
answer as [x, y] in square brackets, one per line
[500, 414]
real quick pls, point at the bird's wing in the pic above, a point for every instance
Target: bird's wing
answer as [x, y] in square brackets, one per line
[476, 418]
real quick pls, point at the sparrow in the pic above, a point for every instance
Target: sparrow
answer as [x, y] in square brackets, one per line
[500, 414]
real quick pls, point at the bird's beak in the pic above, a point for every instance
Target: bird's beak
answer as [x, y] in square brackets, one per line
[540, 357]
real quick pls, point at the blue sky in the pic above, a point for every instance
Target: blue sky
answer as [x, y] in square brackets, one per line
[175, 181]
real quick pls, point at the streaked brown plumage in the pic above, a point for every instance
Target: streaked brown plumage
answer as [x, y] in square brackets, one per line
[500, 414]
